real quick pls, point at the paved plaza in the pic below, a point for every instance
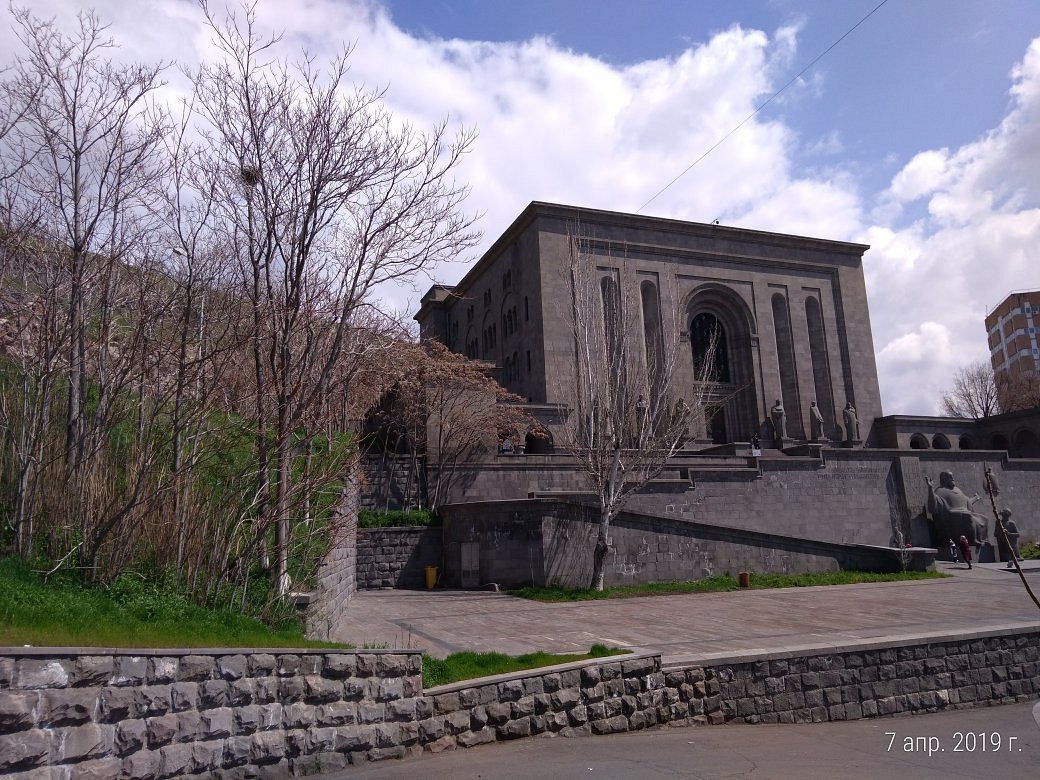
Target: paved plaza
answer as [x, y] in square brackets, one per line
[703, 627]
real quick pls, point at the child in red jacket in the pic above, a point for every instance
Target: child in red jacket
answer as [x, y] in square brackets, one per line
[965, 550]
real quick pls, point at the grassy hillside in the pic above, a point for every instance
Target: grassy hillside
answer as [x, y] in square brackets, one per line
[129, 613]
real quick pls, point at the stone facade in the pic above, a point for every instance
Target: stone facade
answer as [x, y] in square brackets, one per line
[279, 714]
[840, 496]
[396, 557]
[793, 311]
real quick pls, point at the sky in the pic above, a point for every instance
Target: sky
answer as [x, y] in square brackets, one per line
[918, 133]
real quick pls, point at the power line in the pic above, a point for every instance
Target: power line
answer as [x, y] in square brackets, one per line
[750, 116]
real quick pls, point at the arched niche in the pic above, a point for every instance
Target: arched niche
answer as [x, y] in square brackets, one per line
[966, 442]
[733, 404]
[919, 442]
[940, 442]
[999, 442]
[538, 443]
[1027, 445]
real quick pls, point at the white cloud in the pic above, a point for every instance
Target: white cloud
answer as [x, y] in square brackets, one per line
[979, 240]
[956, 229]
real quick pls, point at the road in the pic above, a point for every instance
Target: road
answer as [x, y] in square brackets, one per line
[1002, 743]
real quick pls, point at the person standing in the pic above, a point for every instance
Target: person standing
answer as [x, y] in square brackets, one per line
[965, 550]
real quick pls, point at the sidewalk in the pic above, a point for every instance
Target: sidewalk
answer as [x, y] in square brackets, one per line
[700, 627]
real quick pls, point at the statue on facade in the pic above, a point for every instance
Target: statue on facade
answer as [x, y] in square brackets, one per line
[951, 511]
[779, 418]
[848, 415]
[816, 422]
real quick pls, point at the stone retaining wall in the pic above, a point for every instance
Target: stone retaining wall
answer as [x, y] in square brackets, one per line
[998, 668]
[159, 714]
[274, 714]
[551, 542]
[396, 557]
[337, 574]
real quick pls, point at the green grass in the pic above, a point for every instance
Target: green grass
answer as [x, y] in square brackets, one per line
[1030, 551]
[467, 666]
[129, 613]
[718, 584]
[393, 518]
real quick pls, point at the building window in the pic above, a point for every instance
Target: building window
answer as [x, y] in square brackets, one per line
[653, 339]
[710, 351]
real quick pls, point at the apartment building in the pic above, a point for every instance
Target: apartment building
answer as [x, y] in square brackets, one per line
[1013, 329]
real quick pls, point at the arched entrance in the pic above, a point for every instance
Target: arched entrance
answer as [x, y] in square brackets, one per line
[1027, 445]
[720, 329]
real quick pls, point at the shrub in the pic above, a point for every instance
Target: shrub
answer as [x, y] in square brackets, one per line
[394, 518]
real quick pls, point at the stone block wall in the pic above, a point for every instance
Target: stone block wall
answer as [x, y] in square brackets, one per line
[337, 574]
[279, 714]
[999, 668]
[267, 714]
[396, 557]
[605, 696]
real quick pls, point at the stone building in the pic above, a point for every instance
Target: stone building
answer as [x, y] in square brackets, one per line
[791, 312]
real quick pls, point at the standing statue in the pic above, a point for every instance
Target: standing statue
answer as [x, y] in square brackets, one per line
[779, 418]
[951, 511]
[851, 423]
[816, 421]
[992, 488]
[1010, 550]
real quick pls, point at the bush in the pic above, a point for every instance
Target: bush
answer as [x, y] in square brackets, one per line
[395, 518]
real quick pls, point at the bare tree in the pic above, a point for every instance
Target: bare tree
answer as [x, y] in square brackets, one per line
[974, 394]
[623, 424]
[323, 196]
[80, 158]
[1018, 392]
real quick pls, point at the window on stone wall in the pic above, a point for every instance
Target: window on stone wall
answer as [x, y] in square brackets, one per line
[708, 364]
[653, 339]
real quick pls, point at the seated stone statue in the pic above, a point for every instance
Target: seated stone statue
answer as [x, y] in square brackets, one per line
[951, 511]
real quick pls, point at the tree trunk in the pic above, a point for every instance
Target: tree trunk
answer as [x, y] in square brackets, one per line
[599, 557]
